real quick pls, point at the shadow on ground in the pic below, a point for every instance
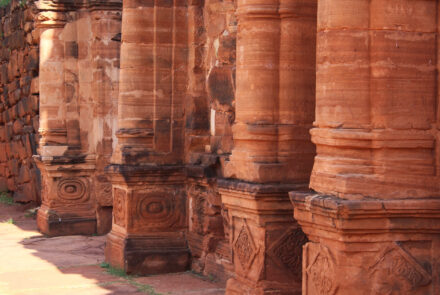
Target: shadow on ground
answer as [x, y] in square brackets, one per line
[32, 264]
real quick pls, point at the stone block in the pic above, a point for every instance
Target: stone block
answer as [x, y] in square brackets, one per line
[11, 184]
[24, 174]
[25, 193]
[35, 86]
[18, 126]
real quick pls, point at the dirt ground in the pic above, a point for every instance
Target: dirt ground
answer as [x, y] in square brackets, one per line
[32, 264]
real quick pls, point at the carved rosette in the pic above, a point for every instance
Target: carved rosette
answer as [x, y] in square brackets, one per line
[287, 251]
[321, 272]
[73, 190]
[159, 210]
[119, 207]
[245, 249]
[396, 269]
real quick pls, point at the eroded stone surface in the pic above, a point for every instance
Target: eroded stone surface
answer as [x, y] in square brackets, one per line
[79, 63]
[182, 125]
[19, 102]
[373, 226]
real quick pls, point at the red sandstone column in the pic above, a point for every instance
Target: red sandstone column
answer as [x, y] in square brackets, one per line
[374, 224]
[257, 88]
[70, 129]
[272, 150]
[149, 215]
[52, 123]
[104, 81]
[67, 198]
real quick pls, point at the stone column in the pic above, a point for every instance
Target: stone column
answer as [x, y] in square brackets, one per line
[149, 201]
[373, 223]
[272, 151]
[78, 64]
[67, 199]
[104, 84]
[52, 123]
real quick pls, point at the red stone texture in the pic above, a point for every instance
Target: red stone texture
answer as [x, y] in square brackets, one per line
[373, 223]
[19, 101]
[182, 126]
[79, 82]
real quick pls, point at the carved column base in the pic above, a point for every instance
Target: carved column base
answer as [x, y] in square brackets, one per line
[148, 255]
[54, 223]
[369, 246]
[148, 233]
[68, 206]
[266, 242]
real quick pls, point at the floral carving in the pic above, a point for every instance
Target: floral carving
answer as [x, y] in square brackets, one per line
[199, 213]
[397, 272]
[287, 250]
[244, 247]
[320, 271]
[119, 207]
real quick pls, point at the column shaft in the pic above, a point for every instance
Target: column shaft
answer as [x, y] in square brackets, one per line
[374, 224]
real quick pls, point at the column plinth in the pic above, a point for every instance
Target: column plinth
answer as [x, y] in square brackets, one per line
[369, 246]
[149, 219]
[68, 205]
[265, 240]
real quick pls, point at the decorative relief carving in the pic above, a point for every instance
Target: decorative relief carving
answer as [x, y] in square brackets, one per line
[119, 207]
[72, 190]
[244, 247]
[104, 195]
[320, 272]
[159, 210]
[226, 221]
[287, 250]
[199, 213]
[395, 269]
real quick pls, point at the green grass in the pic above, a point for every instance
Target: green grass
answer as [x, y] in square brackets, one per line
[117, 272]
[9, 221]
[5, 198]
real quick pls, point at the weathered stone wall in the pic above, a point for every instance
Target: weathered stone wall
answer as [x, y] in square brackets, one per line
[210, 114]
[19, 101]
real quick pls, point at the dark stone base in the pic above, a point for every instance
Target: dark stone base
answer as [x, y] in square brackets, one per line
[52, 225]
[147, 255]
[235, 287]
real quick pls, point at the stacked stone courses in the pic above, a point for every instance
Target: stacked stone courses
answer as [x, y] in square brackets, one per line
[19, 101]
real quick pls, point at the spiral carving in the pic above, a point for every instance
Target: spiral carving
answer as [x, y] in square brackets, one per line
[72, 189]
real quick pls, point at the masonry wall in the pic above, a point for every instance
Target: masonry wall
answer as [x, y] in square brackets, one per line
[210, 115]
[19, 101]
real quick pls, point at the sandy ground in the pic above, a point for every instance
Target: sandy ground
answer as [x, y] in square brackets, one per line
[31, 264]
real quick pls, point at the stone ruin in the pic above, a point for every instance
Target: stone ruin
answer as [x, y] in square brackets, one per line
[281, 146]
